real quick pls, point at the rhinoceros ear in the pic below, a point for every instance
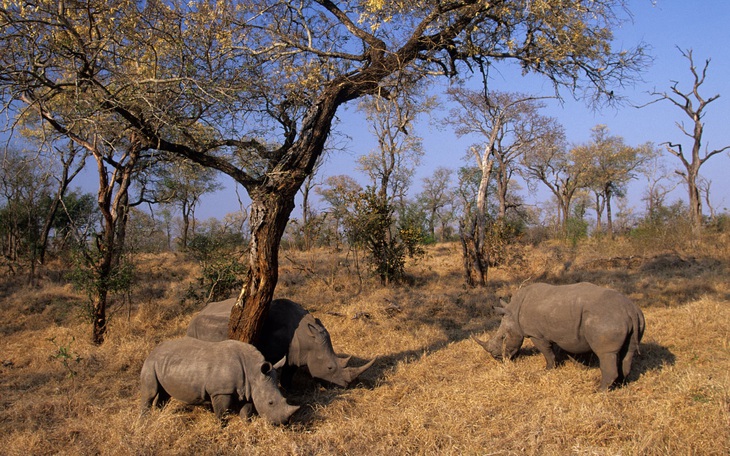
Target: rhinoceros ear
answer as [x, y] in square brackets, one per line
[500, 311]
[312, 329]
[266, 367]
[280, 364]
[343, 360]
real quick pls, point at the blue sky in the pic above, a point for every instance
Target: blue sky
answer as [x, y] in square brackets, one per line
[662, 24]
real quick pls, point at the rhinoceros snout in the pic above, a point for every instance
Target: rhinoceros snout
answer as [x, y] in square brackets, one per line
[277, 415]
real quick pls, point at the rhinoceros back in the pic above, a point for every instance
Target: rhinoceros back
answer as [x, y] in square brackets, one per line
[566, 313]
[282, 321]
[190, 369]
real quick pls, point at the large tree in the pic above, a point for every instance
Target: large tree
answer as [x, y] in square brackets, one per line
[611, 164]
[390, 166]
[563, 171]
[437, 200]
[508, 124]
[252, 88]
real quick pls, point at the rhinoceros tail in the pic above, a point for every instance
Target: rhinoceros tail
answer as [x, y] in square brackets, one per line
[639, 326]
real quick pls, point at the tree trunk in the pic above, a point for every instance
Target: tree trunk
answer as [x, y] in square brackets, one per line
[480, 236]
[99, 315]
[695, 203]
[473, 270]
[502, 184]
[110, 243]
[306, 219]
[600, 204]
[609, 221]
[185, 227]
[47, 225]
[269, 214]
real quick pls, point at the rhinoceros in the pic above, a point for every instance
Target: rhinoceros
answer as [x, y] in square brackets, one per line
[289, 330]
[578, 318]
[227, 374]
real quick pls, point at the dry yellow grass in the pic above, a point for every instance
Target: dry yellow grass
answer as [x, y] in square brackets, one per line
[433, 391]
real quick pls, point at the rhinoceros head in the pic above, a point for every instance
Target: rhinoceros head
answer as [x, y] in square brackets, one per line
[508, 339]
[262, 389]
[312, 347]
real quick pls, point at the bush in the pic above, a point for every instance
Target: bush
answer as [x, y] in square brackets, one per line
[219, 257]
[371, 226]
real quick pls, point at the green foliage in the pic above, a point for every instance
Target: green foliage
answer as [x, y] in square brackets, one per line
[371, 226]
[85, 276]
[145, 233]
[576, 226]
[218, 252]
[65, 356]
[79, 211]
[412, 229]
[721, 223]
[665, 227]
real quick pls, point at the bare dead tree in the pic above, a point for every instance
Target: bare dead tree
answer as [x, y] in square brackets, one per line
[693, 105]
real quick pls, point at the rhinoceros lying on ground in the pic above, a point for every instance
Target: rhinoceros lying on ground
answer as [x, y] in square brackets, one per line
[289, 330]
[577, 318]
[228, 374]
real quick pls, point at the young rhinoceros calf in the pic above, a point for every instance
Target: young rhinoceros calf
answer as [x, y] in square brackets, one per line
[228, 374]
[289, 331]
[577, 318]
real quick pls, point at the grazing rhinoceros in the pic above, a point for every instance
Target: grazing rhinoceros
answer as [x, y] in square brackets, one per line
[289, 330]
[577, 318]
[228, 374]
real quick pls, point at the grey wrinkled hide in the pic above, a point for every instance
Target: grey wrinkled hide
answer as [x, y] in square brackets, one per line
[578, 318]
[289, 330]
[229, 374]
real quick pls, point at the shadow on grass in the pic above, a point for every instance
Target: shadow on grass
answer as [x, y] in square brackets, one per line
[651, 357]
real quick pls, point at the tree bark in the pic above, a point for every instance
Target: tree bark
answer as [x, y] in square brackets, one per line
[609, 217]
[269, 214]
[695, 202]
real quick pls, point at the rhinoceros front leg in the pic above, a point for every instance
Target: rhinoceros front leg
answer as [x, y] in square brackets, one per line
[546, 348]
[609, 369]
[221, 403]
[246, 411]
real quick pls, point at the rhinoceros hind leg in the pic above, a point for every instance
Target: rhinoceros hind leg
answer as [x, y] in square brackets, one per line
[149, 388]
[626, 362]
[162, 398]
[609, 369]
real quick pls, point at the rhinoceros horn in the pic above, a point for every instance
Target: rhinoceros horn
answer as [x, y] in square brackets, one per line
[351, 373]
[482, 343]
